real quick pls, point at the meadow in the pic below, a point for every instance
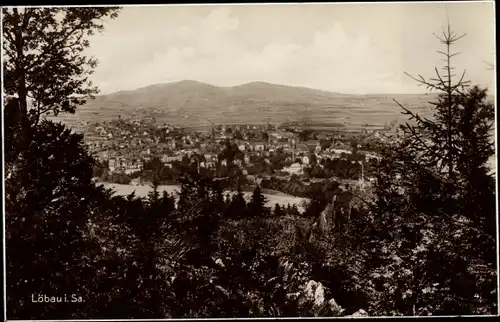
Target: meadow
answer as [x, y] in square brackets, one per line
[142, 191]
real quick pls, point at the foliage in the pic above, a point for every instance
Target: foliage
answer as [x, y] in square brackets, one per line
[277, 210]
[50, 41]
[422, 244]
[100, 168]
[257, 205]
[237, 207]
[46, 220]
[437, 250]
[293, 186]
[348, 168]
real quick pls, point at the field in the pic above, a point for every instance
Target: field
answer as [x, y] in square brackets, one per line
[186, 103]
[142, 191]
[251, 103]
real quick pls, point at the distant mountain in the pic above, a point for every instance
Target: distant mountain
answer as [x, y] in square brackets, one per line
[250, 103]
[201, 98]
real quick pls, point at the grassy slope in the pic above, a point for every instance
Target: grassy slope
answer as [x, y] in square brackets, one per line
[253, 103]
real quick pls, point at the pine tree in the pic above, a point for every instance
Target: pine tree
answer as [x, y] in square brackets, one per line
[218, 199]
[154, 194]
[167, 202]
[277, 210]
[433, 183]
[49, 219]
[475, 127]
[184, 196]
[454, 146]
[238, 206]
[435, 142]
[257, 203]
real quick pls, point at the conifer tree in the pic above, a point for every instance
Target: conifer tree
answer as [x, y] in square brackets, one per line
[238, 206]
[48, 219]
[456, 144]
[257, 204]
[277, 210]
[432, 190]
[168, 202]
[435, 142]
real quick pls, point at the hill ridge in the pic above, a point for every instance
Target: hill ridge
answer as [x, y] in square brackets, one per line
[249, 103]
[247, 84]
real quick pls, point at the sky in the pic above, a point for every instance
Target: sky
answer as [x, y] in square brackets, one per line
[348, 48]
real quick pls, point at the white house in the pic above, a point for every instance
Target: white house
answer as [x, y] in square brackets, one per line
[340, 151]
[169, 159]
[294, 168]
[259, 146]
[132, 170]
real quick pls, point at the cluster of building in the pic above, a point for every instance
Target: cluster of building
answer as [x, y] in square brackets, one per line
[125, 145]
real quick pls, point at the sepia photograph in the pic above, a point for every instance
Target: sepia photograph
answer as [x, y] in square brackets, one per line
[242, 160]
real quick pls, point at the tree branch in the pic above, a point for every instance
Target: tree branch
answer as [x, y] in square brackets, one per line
[54, 45]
